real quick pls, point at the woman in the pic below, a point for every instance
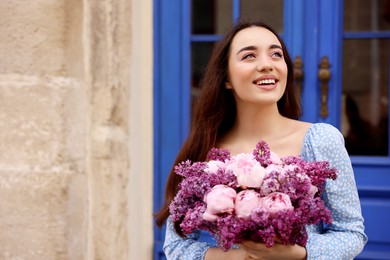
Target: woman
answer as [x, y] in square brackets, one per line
[247, 96]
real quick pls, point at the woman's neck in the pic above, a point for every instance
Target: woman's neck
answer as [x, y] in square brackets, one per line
[252, 125]
[252, 122]
[283, 135]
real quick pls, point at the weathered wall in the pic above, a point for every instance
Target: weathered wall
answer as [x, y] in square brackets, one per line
[65, 138]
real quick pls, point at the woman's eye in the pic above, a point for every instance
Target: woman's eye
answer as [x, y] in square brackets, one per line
[249, 55]
[277, 54]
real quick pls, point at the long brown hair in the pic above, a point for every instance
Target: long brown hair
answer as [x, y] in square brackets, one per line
[214, 111]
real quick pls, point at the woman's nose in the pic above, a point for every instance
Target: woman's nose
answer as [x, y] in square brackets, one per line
[264, 64]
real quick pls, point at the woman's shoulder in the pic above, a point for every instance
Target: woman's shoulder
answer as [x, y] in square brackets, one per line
[324, 142]
[321, 135]
[322, 130]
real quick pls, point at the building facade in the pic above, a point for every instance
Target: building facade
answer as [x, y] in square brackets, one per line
[76, 129]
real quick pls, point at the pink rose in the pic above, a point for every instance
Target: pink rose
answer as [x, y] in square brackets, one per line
[246, 202]
[275, 202]
[248, 171]
[220, 199]
[214, 166]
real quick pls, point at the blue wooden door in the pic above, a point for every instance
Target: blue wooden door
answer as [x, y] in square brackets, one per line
[350, 39]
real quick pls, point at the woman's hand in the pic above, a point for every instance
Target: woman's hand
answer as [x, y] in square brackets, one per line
[232, 254]
[252, 250]
[259, 251]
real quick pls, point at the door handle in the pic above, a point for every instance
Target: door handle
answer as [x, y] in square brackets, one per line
[298, 77]
[324, 76]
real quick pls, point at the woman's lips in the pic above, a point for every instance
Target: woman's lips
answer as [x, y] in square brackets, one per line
[267, 86]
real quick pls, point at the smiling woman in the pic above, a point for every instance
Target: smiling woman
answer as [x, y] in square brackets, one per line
[246, 96]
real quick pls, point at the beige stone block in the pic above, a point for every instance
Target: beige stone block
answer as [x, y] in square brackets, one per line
[41, 37]
[42, 215]
[42, 122]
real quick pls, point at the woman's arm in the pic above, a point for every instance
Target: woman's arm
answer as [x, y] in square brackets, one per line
[345, 237]
[176, 247]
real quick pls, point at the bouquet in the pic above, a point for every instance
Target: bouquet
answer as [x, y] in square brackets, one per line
[260, 197]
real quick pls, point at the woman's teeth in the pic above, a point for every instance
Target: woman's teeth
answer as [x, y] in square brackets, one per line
[265, 82]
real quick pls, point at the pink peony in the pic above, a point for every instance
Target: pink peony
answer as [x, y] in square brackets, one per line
[249, 172]
[220, 199]
[275, 158]
[276, 202]
[246, 201]
[214, 166]
[313, 190]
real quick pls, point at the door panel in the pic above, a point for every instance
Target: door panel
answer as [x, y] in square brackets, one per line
[365, 95]
[265, 10]
[364, 114]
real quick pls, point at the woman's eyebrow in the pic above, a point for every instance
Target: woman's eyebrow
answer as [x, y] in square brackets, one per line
[275, 46]
[253, 48]
[247, 48]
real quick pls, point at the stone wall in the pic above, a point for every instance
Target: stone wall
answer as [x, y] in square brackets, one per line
[66, 171]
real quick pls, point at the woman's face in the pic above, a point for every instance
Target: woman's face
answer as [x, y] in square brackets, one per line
[257, 71]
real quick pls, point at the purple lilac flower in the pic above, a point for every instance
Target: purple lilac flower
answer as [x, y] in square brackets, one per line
[187, 168]
[193, 218]
[232, 230]
[299, 235]
[262, 153]
[218, 154]
[274, 225]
